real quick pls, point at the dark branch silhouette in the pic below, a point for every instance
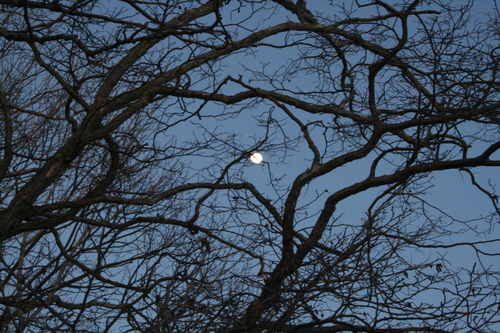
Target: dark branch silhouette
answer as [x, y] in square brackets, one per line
[129, 203]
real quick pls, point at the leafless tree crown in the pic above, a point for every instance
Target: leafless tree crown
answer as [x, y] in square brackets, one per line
[128, 202]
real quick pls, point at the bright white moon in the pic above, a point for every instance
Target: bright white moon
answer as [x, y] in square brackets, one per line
[256, 158]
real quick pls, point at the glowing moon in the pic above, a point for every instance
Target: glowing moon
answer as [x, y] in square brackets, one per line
[256, 158]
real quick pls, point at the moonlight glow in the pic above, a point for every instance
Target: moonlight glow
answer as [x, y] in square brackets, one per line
[256, 158]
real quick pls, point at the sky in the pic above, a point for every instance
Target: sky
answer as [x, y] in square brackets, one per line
[449, 190]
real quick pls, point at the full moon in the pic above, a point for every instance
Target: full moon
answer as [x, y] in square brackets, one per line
[256, 158]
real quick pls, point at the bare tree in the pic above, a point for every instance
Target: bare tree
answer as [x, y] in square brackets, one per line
[129, 204]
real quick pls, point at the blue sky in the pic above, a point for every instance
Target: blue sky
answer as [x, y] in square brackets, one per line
[236, 130]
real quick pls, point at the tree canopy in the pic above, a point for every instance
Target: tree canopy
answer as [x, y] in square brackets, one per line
[129, 202]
